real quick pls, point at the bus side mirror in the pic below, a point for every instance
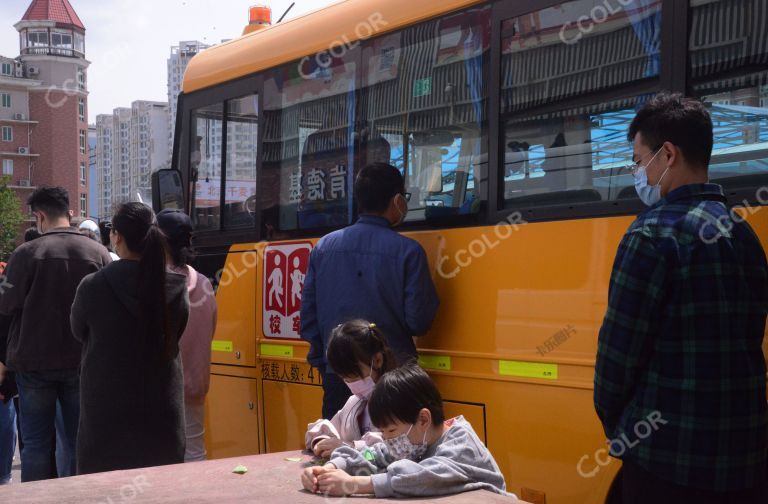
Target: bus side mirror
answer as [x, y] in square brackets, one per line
[167, 190]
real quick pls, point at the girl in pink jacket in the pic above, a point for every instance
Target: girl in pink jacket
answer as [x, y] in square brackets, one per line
[195, 343]
[359, 354]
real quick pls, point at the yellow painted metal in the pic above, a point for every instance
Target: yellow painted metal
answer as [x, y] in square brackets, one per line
[295, 405]
[233, 342]
[500, 301]
[351, 20]
[232, 417]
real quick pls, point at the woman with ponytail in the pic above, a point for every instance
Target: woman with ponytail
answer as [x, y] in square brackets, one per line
[358, 353]
[129, 318]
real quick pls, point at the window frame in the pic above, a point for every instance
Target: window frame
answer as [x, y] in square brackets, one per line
[6, 164]
[4, 66]
[83, 142]
[5, 98]
[187, 103]
[9, 130]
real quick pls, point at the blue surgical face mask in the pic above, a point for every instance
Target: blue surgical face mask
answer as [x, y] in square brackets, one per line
[650, 195]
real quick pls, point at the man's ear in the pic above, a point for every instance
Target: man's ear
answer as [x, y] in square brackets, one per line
[671, 153]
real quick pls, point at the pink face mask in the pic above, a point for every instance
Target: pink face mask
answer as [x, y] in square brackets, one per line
[363, 388]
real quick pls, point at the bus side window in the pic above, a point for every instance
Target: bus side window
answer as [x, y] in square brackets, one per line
[734, 85]
[559, 148]
[309, 159]
[425, 101]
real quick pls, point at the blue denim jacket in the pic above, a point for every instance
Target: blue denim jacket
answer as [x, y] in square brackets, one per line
[367, 271]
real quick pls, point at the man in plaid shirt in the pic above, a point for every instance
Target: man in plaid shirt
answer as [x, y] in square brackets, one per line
[681, 342]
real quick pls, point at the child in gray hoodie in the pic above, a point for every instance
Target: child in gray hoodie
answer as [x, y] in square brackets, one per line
[422, 453]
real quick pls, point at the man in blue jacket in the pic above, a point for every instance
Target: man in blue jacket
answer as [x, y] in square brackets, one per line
[368, 271]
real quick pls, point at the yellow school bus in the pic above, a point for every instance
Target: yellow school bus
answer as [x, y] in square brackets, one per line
[508, 120]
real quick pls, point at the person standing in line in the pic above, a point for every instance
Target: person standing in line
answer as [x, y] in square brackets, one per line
[44, 274]
[368, 271]
[680, 349]
[105, 230]
[129, 318]
[195, 343]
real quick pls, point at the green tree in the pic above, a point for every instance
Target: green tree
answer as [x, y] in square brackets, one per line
[10, 219]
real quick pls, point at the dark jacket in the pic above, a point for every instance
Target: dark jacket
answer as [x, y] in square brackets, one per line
[41, 279]
[369, 271]
[131, 398]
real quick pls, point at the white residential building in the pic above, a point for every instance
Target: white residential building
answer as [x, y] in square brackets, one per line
[131, 144]
[177, 64]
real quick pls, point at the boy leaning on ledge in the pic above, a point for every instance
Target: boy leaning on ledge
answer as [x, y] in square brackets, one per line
[422, 454]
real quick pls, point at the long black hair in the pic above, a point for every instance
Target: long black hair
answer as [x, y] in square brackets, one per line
[354, 342]
[358, 341]
[136, 223]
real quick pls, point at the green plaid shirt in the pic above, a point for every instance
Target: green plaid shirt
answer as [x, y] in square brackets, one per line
[680, 380]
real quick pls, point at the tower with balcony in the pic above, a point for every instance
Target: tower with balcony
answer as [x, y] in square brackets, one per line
[52, 52]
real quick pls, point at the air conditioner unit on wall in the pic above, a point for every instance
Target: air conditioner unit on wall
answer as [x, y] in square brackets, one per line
[23, 150]
[33, 70]
[25, 183]
[19, 117]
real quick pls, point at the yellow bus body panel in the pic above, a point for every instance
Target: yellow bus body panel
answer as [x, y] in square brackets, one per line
[505, 292]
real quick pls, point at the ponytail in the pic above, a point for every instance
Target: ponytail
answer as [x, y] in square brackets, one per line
[358, 341]
[137, 224]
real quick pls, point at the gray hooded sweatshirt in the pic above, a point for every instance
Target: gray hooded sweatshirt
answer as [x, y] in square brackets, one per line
[457, 462]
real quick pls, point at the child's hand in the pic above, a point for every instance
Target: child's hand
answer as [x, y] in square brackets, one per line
[324, 448]
[337, 483]
[310, 474]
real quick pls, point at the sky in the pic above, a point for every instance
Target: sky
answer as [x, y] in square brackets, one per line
[128, 41]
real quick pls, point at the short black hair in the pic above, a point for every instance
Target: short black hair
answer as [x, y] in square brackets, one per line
[376, 185]
[105, 227]
[358, 341]
[401, 394]
[685, 122]
[31, 234]
[51, 201]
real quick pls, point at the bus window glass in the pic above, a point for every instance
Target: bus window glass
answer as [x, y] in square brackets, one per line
[240, 184]
[729, 72]
[205, 161]
[425, 100]
[562, 144]
[308, 160]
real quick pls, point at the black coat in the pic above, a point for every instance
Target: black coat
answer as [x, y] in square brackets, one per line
[131, 398]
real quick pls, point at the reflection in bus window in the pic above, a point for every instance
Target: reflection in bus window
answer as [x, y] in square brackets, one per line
[425, 102]
[205, 161]
[242, 142]
[308, 163]
[729, 72]
[558, 151]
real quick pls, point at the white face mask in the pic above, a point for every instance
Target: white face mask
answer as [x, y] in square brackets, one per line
[401, 447]
[363, 388]
[650, 195]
